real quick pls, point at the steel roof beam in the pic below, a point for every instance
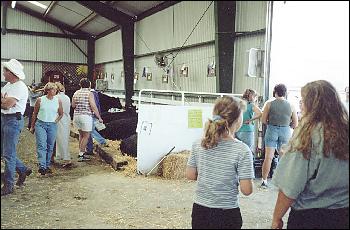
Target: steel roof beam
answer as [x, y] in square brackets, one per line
[54, 22]
[49, 8]
[108, 12]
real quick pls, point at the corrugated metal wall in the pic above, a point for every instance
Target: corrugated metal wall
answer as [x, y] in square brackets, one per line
[33, 50]
[32, 70]
[117, 81]
[250, 16]
[186, 15]
[155, 33]
[170, 28]
[109, 48]
[166, 30]
[22, 21]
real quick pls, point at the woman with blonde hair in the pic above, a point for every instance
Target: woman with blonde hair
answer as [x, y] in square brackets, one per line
[63, 128]
[47, 113]
[313, 174]
[219, 162]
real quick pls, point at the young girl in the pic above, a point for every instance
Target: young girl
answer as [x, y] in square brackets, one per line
[219, 162]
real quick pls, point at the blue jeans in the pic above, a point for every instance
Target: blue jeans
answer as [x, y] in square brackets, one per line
[45, 133]
[276, 136]
[10, 131]
[96, 135]
[247, 138]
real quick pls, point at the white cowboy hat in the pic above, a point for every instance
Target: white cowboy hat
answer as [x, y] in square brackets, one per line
[15, 67]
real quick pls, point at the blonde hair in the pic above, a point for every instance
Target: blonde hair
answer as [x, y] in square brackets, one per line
[60, 87]
[49, 85]
[228, 110]
[322, 105]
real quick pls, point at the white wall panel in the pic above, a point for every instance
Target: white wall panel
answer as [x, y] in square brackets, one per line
[115, 68]
[186, 16]
[241, 79]
[18, 46]
[61, 50]
[197, 59]
[154, 33]
[109, 48]
[22, 21]
[250, 15]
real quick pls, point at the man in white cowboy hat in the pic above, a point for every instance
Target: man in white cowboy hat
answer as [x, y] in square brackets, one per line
[14, 96]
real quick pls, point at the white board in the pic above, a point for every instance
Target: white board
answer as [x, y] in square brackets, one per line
[161, 127]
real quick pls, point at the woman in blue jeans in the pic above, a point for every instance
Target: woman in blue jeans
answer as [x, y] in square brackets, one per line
[280, 116]
[47, 112]
[246, 132]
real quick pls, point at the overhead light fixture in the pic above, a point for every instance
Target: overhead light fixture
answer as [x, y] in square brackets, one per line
[13, 4]
[38, 4]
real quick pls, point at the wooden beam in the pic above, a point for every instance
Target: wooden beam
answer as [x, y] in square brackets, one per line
[108, 12]
[49, 8]
[54, 22]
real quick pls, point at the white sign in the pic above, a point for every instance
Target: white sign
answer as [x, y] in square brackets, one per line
[161, 127]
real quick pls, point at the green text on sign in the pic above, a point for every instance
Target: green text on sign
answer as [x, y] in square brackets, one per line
[195, 118]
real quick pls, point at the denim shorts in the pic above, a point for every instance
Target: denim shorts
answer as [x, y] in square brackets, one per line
[276, 136]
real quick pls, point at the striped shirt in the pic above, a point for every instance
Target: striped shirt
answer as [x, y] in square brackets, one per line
[82, 104]
[219, 171]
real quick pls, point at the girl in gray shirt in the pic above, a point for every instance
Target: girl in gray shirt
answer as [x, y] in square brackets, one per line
[220, 163]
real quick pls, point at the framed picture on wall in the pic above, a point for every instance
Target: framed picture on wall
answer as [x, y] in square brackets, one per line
[149, 76]
[165, 78]
[184, 71]
[136, 76]
[106, 75]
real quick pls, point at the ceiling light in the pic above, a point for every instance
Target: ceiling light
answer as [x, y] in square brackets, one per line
[13, 4]
[38, 4]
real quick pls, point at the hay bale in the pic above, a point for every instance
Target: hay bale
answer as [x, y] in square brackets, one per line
[174, 165]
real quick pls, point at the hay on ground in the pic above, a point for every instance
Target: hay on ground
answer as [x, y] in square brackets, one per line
[174, 165]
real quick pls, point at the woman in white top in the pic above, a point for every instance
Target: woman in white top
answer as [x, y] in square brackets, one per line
[47, 112]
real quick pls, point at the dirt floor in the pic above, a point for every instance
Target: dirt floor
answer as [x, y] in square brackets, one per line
[93, 195]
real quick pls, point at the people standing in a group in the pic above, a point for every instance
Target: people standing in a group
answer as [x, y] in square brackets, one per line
[220, 163]
[313, 173]
[94, 133]
[280, 116]
[14, 96]
[63, 128]
[84, 106]
[34, 93]
[252, 113]
[47, 113]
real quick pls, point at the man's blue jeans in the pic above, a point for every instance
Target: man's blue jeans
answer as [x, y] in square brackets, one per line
[96, 135]
[10, 131]
[45, 133]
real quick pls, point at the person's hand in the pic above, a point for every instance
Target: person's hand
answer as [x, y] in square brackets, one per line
[100, 120]
[277, 224]
[247, 122]
[31, 130]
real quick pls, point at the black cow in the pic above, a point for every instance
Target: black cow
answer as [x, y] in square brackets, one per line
[120, 129]
[129, 146]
